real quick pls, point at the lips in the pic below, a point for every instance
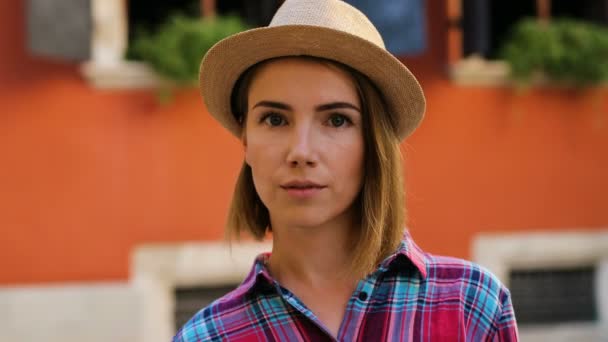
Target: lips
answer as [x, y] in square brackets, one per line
[302, 184]
[302, 189]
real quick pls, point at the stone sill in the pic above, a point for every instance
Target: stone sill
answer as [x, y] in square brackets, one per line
[138, 75]
[477, 71]
[122, 75]
[472, 71]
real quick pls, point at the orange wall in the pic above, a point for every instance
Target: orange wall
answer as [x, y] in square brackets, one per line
[86, 175]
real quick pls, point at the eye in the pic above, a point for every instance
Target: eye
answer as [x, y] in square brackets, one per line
[273, 119]
[339, 120]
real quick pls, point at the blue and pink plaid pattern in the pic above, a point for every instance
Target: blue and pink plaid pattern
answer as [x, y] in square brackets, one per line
[412, 296]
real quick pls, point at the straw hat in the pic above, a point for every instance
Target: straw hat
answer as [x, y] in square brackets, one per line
[330, 29]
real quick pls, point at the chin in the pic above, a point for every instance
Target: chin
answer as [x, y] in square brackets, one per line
[306, 217]
[303, 220]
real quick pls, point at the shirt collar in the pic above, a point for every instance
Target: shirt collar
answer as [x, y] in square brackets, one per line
[411, 252]
[260, 276]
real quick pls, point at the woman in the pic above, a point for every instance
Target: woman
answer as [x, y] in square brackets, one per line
[321, 108]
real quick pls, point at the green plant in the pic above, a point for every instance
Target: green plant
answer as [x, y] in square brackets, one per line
[176, 50]
[564, 50]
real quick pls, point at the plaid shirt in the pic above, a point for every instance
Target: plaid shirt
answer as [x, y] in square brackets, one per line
[412, 296]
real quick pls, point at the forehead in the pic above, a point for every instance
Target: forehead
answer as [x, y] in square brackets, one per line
[303, 76]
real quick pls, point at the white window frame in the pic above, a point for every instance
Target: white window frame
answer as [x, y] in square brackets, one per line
[474, 70]
[470, 70]
[157, 270]
[107, 67]
[533, 250]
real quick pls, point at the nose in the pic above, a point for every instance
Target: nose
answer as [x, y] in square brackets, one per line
[302, 148]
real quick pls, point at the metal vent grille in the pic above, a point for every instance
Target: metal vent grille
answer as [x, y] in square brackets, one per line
[188, 301]
[554, 295]
[60, 28]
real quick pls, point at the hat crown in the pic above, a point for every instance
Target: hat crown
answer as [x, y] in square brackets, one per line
[332, 14]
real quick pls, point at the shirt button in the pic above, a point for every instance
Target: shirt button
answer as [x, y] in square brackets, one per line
[362, 296]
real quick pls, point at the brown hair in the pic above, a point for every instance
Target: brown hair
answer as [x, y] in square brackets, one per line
[380, 204]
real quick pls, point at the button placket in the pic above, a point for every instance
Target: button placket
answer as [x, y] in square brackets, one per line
[356, 309]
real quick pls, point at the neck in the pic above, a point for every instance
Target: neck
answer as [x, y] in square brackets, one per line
[315, 257]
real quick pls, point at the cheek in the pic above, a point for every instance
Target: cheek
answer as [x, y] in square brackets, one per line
[259, 153]
[353, 150]
[347, 160]
[356, 161]
[264, 159]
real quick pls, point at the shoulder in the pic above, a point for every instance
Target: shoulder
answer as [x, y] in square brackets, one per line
[233, 315]
[485, 300]
[449, 273]
[212, 322]
[450, 269]
[475, 282]
[445, 279]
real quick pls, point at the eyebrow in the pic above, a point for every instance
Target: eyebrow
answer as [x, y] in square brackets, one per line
[323, 107]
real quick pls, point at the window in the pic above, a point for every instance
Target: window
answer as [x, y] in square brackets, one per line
[97, 33]
[554, 295]
[148, 15]
[558, 280]
[46, 34]
[478, 28]
[173, 281]
[189, 300]
[402, 23]
[486, 24]
[256, 13]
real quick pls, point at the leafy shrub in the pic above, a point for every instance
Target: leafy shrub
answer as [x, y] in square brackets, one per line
[564, 50]
[176, 50]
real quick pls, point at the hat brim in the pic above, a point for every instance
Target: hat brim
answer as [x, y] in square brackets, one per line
[228, 59]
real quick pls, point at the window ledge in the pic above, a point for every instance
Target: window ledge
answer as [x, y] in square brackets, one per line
[121, 75]
[475, 70]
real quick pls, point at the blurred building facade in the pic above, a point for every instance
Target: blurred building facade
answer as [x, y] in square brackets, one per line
[109, 200]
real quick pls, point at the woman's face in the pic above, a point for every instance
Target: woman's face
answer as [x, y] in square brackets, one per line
[304, 142]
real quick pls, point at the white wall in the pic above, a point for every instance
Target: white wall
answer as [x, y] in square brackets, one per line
[69, 313]
[138, 310]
